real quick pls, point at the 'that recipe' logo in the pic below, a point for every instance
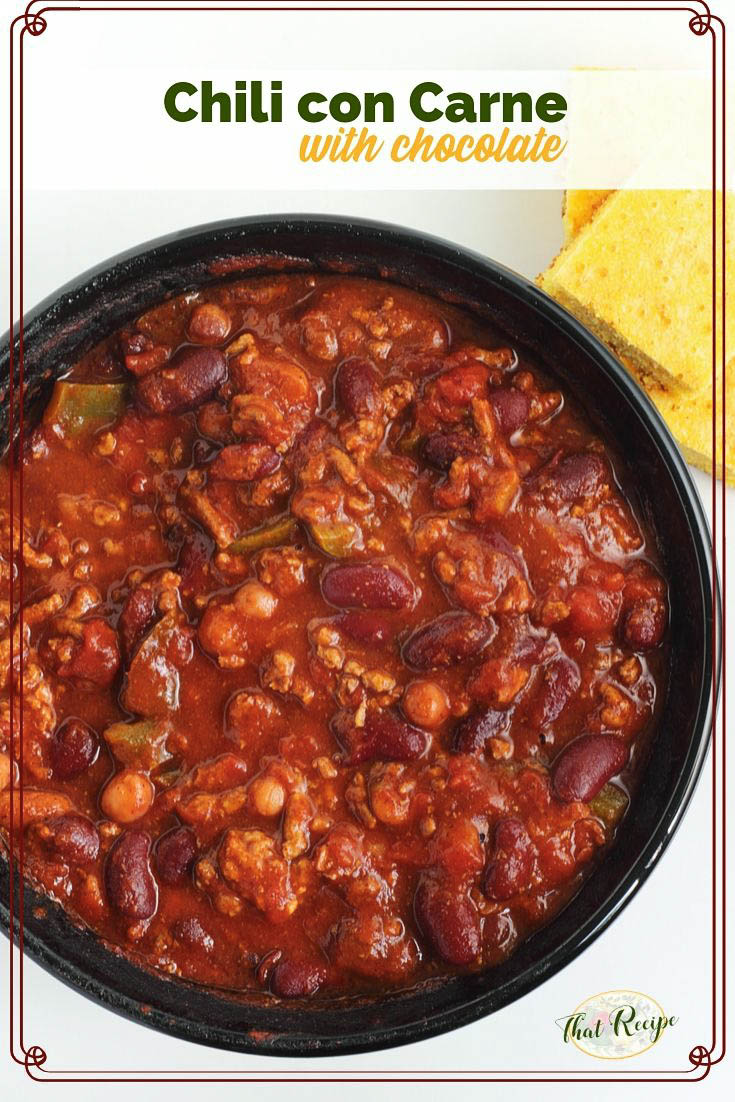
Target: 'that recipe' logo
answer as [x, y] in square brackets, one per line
[615, 1025]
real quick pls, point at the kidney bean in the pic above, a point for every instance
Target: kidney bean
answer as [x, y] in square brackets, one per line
[175, 853]
[575, 476]
[644, 624]
[367, 585]
[136, 617]
[190, 932]
[448, 920]
[293, 979]
[190, 377]
[393, 738]
[511, 868]
[95, 657]
[473, 732]
[440, 449]
[74, 748]
[560, 680]
[511, 408]
[72, 836]
[529, 646]
[366, 627]
[452, 637]
[386, 735]
[586, 764]
[357, 388]
[245, 462]
[131, 887]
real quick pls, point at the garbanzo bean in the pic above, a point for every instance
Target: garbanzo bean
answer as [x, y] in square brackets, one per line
[256, 600]
[268, 796]
[425, 703]
[208, 324]
[127, 796]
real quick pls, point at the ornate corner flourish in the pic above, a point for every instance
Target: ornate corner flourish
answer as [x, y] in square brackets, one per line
[35, 1057]
[701, 1057]
[700, 24]
[34, 23]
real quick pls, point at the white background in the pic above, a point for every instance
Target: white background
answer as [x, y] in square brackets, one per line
[660, 943]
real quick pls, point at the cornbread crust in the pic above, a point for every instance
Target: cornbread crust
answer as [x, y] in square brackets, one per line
[689, 416]
[578, 208]
[668, 260]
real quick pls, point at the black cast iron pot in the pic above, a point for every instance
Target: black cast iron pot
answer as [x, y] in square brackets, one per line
[70, 322]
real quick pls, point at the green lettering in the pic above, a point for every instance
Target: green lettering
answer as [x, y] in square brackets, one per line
[210, 99]
[487, 99]
[460, 108]
[182, 87]
[619, 1020]
[571, 1029]
[344, 107]
[510, 99]
[551, 107]
[385, 100]
[427, 87]
[305, 107]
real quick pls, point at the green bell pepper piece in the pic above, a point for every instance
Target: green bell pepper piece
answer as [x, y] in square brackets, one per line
[78, 408]
[141, 744]
[609, 804]
[270, 534]
[337, 537]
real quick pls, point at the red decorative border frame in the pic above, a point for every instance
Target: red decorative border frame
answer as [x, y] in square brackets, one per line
[33, 1058]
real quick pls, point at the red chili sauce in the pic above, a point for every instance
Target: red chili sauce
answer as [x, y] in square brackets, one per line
[341, 643]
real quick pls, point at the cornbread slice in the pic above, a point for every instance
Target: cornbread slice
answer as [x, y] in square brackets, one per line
[689, 416]
[578, 208]
[686, 409]
[639, 274]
